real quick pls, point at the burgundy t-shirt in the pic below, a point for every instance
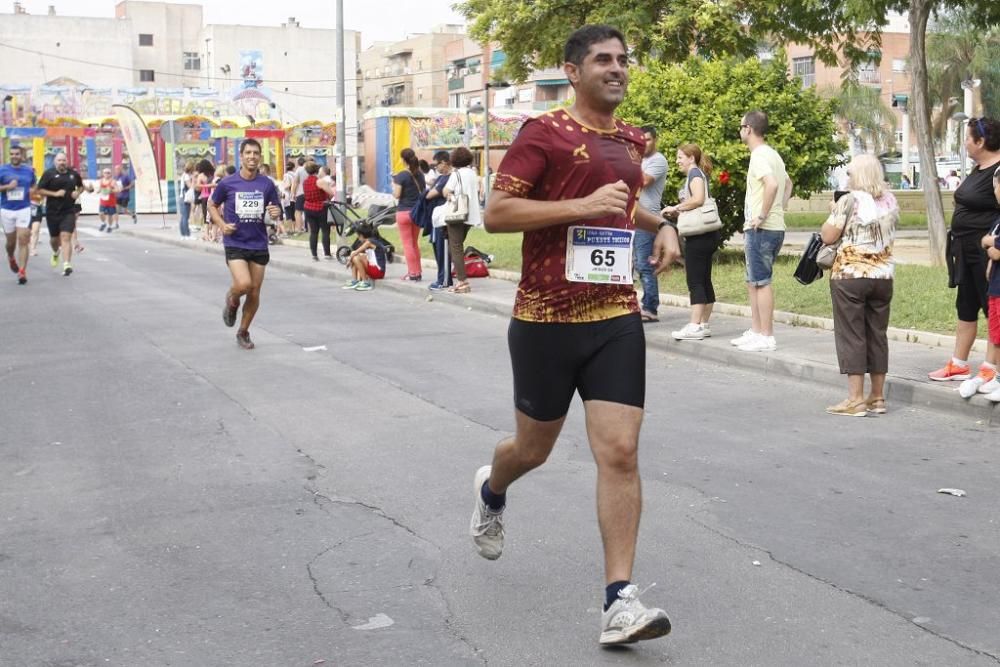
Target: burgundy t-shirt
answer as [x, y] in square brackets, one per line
[556, 157]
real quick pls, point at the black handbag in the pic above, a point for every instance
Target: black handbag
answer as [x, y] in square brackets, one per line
[808, 271]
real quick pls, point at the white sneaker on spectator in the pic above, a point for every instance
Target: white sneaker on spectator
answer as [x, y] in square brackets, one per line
[707, 330]
[969, 387]
[689, 331]
[760, 343]
[994, 396]
[990, 387]
[744, 338]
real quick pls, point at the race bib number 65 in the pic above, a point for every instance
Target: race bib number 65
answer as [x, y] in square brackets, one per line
[599, 255]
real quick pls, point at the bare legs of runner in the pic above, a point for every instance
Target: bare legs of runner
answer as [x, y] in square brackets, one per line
[613, 431]
[247, 280]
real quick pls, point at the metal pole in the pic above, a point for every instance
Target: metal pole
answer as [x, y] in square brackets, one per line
[486, 141]
[341, 96]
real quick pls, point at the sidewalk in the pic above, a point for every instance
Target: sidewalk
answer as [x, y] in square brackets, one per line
[804, 352]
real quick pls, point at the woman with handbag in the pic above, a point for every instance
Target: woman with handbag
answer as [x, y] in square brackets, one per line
[699, 245]
[407, 186]
[463, 212]
[864, 223]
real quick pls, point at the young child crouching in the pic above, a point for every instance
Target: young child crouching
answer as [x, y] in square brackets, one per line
[368, 261]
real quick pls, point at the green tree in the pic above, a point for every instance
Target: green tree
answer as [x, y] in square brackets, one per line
[672, 98]
[531, 33]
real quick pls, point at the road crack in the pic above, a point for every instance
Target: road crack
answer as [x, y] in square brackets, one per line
[837, 587]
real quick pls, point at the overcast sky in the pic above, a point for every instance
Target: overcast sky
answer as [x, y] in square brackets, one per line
[387, 20]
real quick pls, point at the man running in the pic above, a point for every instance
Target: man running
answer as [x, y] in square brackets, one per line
[16, 182]
[570, 182]
[243, 198]
[125, 186]
[62, 187]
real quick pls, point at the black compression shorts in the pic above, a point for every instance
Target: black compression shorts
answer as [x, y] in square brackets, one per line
[261, 257]
[603, 361]
[60, 222]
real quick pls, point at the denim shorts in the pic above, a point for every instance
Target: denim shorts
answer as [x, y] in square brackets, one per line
[761, 247]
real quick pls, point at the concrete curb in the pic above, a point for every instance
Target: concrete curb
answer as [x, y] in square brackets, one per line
[900, 392]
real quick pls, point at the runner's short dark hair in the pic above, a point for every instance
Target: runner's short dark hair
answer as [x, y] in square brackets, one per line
[757, 121]
[250, 142]
[579, 43]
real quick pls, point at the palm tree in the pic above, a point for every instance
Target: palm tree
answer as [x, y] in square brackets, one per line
[957, 51]
[867, 122]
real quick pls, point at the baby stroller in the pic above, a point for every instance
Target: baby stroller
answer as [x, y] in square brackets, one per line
[345, 218]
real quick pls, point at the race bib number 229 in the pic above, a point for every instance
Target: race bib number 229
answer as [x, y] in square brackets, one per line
[599, 255]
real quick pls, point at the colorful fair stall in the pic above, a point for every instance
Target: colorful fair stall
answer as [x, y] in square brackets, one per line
[389, 130]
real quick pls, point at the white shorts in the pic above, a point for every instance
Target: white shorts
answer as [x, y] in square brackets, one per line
[20, 219]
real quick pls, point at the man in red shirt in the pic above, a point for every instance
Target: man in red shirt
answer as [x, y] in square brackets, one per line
[570, 182]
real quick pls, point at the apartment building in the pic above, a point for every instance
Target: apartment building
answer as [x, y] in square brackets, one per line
[407, 73]
[165, 59]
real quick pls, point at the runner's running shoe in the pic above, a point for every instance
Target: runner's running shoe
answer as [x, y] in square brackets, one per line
[229, 310]
[67, 269]
[627, 620]
[54, 262]
[14, 268]
[486, 526]
[243, 340]
[951, 371]
[22, 277]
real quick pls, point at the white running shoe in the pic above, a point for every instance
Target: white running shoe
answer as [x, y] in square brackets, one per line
[486, 526]
[744, 338]
[994, 396]
[707, 330]
[990, 387]
[689, 331]
[970, 387]
[760, 344]
[628, 620]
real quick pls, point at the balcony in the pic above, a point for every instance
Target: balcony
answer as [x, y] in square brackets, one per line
[870, 76]
[456, 84]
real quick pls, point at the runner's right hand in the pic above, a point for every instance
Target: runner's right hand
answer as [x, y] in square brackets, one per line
[228, 229]
[60, 193]
[610, 199]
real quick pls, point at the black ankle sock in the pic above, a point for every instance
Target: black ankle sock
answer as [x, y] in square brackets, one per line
[611, 592]
[495, 501]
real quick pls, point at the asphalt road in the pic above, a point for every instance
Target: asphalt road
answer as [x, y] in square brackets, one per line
[167, 498]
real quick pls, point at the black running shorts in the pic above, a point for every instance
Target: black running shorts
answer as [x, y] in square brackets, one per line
[603, 361]
[61, 222]
[261, 257]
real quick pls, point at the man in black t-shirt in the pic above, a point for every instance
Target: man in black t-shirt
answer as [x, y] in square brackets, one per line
[62, 187]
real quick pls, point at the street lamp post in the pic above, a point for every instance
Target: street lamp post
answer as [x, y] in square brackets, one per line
[961, 119]
[486, 133]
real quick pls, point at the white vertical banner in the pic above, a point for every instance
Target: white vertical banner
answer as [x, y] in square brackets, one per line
[148, 193]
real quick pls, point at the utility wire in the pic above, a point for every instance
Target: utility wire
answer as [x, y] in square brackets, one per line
[194, 75]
